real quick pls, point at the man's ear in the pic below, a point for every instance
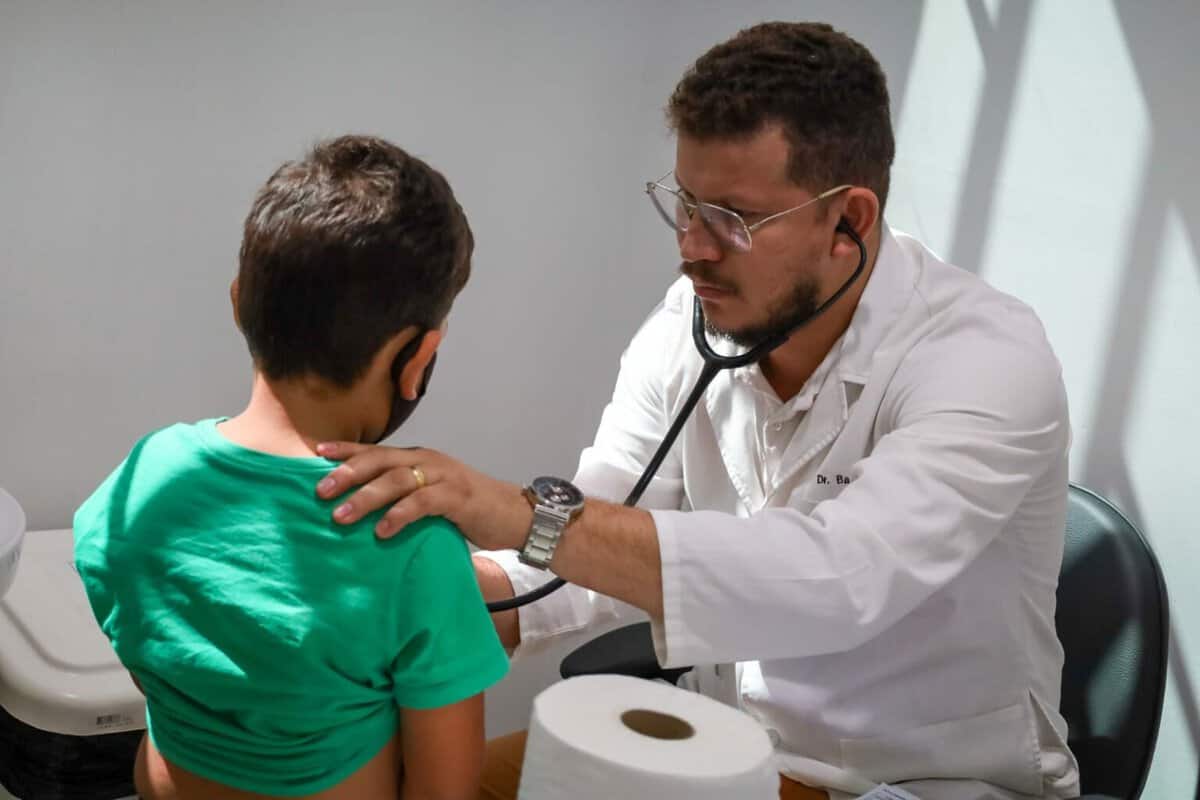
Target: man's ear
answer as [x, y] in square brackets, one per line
[413, 373]
[860, 212]
[233, 298]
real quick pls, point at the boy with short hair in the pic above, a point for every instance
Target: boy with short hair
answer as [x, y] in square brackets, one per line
[281, 654]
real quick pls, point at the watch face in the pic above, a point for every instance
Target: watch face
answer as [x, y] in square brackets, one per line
[557, 491]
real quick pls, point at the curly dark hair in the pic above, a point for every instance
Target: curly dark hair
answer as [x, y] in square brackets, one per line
[826, 91]
[341, 251]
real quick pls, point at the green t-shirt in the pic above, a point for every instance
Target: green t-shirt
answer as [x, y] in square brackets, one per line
[274, 646]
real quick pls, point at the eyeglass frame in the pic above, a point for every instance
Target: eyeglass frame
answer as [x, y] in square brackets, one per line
[693, 205]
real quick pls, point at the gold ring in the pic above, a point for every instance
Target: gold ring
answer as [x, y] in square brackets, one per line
[419, 477]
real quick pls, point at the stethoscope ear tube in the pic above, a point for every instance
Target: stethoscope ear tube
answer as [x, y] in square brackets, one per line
[760, 350]
[714, 363]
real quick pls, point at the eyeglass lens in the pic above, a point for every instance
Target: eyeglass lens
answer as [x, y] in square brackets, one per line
[726, 226]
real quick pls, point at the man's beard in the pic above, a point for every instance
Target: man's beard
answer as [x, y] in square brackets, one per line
[794, 310]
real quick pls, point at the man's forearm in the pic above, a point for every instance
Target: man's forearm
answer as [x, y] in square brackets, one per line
[495, 585]
[613, 550]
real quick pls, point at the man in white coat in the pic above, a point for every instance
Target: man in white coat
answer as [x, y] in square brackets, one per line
[857, 539]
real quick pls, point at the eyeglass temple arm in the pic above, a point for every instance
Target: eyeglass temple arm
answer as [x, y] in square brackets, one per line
[809, 202]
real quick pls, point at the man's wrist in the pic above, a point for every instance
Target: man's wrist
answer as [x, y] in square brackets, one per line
[523, 513]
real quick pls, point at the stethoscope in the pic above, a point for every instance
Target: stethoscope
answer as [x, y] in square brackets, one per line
[714, 363]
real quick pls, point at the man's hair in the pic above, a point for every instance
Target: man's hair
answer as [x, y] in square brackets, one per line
[826, 91]
[341, 251]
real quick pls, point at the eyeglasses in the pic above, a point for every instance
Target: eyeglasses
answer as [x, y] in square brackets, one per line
[678, 210]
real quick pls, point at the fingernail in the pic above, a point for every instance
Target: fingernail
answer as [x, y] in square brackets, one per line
[382, 528]
[324, 448]
[326, 484]
[342, 511]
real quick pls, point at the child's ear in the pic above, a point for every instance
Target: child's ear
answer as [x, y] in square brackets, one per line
[413, 373]
[233, 298]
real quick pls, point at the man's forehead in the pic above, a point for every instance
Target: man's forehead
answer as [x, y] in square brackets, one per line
[749, 166]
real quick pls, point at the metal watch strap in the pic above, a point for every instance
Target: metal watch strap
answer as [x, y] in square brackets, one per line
[543, 537]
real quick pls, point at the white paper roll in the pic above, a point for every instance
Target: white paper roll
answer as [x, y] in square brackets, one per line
[599, 737]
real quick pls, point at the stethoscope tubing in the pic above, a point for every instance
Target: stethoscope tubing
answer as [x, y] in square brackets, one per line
[714, 363]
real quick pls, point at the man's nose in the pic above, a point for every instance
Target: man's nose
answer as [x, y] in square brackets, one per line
[697, 243]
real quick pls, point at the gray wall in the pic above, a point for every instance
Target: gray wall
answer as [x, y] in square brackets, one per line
[1048, 146]
[132, 138]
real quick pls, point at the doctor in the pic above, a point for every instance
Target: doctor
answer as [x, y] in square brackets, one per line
[859, 538]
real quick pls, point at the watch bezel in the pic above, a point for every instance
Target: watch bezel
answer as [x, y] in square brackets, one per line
[556, 492]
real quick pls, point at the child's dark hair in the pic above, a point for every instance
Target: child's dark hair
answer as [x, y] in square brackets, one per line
[341, 251]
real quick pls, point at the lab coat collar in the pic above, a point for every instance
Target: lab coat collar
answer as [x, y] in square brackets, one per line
[888, 291]
[824, 396]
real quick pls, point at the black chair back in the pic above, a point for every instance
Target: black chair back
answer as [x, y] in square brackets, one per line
[1112, 619]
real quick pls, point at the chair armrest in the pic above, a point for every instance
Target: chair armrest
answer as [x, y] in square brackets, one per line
[624, 651]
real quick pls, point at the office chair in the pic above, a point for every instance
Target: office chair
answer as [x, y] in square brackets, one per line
[1113, 621]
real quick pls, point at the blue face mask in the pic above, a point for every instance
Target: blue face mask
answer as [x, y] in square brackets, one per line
[403, 408]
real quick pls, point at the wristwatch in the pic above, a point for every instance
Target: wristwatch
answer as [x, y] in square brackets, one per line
[555, 503]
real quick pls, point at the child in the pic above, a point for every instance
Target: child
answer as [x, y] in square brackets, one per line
[281, 654]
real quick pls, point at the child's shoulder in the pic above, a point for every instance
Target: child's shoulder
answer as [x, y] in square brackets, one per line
[170, 445]
[430, 539]
[158, 461]
[177, 439]
[167, 454]
[427, 532]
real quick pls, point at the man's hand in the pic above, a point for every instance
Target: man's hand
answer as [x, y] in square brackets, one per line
[492, 514]
[608, 548]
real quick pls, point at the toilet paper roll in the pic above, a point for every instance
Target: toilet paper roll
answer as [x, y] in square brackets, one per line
[612, 736]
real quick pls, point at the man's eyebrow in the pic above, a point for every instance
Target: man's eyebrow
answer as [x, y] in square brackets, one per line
[726, 202]
[682, 188]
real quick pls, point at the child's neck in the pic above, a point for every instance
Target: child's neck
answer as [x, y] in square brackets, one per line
[291, 418]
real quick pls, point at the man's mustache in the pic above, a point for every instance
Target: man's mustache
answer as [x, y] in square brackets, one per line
[704, 272]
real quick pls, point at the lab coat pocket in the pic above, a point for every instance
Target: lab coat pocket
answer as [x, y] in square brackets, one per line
[1060, 771]
[999, 747]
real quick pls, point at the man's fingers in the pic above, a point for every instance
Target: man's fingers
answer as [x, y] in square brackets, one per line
[434, 500]
[364, 463]
[340, 451]
[386, 487]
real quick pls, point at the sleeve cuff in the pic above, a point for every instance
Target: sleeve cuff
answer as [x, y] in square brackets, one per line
[674, 644]
[471, 679]
[571, 608]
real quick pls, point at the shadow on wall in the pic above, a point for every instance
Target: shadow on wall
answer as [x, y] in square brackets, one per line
[895, 51]
[1162, 50]
[1002, 44]
[1160, 46]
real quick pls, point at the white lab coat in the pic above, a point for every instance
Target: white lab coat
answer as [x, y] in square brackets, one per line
[885, 576]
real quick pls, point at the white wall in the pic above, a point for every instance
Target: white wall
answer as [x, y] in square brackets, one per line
[1049, 147]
